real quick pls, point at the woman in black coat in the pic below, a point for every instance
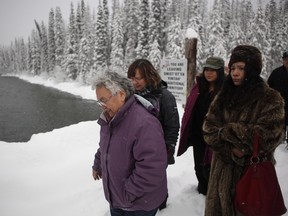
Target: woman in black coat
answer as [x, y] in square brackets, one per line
[149, 85]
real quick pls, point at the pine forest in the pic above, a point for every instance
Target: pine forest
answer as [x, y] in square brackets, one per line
[114, 35]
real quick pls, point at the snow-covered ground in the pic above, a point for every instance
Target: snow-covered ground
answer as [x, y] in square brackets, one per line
[51, 174]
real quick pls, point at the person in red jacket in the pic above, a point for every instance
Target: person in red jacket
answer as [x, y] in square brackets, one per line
[207, 86]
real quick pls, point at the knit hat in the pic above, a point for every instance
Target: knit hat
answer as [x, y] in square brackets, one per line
[248, 54]
[214, 63]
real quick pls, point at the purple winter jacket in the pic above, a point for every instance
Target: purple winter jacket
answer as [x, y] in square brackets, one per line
[132, 158]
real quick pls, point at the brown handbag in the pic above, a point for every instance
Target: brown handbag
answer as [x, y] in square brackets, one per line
[258, 192]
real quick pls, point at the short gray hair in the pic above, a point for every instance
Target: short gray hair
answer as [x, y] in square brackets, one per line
[114, 82]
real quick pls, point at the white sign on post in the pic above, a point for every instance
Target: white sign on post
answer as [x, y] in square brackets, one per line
[174, 72]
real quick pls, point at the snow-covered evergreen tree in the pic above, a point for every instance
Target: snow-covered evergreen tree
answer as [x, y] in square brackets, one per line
[236, 36]
[86, 45]
[164, 20]
[15, 55]
[247, 17]
[226, 17]
[59, 37]
[284, 18]
[79, 25]
[155, 54]
[261, 37]
[172, 11]
[88, 27]
[106, 31]
[44, 48]
[20, 55]
[202, 33]
[29, 62]
[155, 30]
[23, 55]
[71, 61]
[4, 64]
[130, 30]
[84, 60]
[175, 43]
[117, 53]
[193, 15]
[281, 32]
[51, 41]
[215, 32]
[271, 17]
[100, 49]
[12, 57]
[195, 19]
[36, 56]
[142, 49]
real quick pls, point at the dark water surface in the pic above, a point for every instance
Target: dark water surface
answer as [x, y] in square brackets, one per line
[27, 109]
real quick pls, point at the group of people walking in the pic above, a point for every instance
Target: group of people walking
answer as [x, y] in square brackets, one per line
[139, 129]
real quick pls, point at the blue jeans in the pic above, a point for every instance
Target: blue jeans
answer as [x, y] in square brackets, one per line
[120, 212]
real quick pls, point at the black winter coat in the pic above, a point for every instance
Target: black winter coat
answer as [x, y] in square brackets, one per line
[278, 80]
[166, 104]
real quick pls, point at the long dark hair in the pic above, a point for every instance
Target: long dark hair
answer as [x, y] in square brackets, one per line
[204, 84]
[233, 95]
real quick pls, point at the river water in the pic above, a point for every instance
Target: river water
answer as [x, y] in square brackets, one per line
[27, 109]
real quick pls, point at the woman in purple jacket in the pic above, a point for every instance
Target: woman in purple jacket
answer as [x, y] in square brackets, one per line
[131, 159]
[198, 102]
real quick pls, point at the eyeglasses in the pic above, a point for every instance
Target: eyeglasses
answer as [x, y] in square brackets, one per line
[136, 78]
[103, 102]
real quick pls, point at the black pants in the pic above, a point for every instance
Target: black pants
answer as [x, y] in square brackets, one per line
[198, 152]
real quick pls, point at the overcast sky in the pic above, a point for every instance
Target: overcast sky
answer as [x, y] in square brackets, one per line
[17, 16]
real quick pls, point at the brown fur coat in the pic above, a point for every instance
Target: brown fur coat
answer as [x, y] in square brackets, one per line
[229, 125]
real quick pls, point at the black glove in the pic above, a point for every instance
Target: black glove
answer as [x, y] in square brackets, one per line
[170, 154]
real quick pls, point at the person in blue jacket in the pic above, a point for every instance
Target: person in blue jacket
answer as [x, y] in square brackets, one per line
[131, 159]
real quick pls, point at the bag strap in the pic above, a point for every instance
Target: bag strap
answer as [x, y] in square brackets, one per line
[255, 157]
[255, 144]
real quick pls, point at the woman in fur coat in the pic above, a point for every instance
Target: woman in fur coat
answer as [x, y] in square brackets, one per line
[244, 104]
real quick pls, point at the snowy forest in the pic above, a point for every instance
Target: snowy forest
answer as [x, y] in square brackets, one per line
[113, 36]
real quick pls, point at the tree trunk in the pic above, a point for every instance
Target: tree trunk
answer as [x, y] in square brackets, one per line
[190, 55]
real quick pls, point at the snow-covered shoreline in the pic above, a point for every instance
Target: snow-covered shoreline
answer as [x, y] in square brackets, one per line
[50, 175]
[72, 87]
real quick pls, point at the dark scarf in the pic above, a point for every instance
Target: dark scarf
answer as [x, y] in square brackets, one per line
[144, 91]
[153, 95]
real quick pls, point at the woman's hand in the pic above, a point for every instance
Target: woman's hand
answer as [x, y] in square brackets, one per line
[238, 152]
[96, 175]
